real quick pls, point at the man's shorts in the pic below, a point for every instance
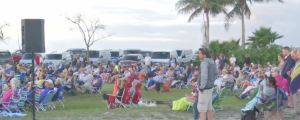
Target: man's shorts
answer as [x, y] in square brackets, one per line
[205, 101]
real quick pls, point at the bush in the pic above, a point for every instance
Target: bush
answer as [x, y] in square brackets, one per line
[258, 55]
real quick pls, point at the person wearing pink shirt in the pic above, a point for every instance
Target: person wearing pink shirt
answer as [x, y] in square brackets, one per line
[281, 82]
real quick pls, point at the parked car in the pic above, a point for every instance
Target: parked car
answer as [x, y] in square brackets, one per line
[131, 59]
[131, 51]
[27, 59]
[4, 56]
[160, 57]
[54, 59]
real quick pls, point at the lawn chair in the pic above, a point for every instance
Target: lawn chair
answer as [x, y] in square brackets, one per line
[46, 102]
[58, 100]
[113, 101]
[37, 95]
[15, 106]
[22, 99]
[135, 92]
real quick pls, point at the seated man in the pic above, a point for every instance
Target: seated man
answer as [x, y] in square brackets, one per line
[48, 87]
[58, 86]
[155, 82]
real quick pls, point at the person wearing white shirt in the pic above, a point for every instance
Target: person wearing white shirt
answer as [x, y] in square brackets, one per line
[232, 60]
[148, 60]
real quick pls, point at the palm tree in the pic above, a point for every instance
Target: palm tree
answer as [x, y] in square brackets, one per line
[263, 37]
[196, 7]
[241, 9]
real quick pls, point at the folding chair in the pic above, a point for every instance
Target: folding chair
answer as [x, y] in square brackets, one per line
[113, 101]
[45, 103]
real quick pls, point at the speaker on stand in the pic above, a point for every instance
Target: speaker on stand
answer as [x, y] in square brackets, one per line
[33, 42]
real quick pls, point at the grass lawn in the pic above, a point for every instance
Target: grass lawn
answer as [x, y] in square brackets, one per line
[91, 106]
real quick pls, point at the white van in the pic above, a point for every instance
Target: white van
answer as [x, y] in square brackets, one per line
[94, 56]
[115, 55]
[53, 58]
[160, 57]
[183, 55]
[105, 56]
[131, 51]
[68, 54]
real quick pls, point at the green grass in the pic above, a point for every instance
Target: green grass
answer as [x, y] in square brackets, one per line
[91, 106]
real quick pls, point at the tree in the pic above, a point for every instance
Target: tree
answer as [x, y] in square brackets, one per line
[88, 30]
[196, 7]
[241, 10]
[258, 56]
[2, 36]
[263, 37]
[226, 47]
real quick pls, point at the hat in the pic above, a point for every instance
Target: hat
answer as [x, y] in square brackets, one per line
[49, 81]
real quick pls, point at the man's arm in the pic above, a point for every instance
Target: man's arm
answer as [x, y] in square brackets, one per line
[203, 76]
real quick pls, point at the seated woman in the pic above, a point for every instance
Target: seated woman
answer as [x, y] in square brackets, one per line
[267, 102]
[97, 83]
[248, 87]
[48, 87]
[12, 91]
[116, 80]
[261, 86]
[181, 104]
[168, 81]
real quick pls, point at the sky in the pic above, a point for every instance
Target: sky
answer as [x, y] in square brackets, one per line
[140, 24]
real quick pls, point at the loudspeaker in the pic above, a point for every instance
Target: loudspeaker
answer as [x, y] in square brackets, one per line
[33, 35]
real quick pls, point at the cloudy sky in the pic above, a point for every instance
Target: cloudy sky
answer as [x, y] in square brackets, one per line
[143, 24]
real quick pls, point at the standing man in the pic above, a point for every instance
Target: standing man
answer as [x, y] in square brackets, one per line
[288, 65]
[208, 74]
[295, 82]
[148, 60]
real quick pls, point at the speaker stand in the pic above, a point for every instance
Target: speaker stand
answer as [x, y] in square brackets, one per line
[33, 86]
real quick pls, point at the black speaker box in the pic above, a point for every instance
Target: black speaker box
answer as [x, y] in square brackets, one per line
[33, 35]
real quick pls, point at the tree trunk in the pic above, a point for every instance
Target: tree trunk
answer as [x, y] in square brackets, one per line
[243, 30]
[87, 53]
[207, 30]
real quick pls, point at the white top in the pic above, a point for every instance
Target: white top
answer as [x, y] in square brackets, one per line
[232, 60]
[148, 60]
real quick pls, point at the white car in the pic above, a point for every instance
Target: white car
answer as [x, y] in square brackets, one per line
[4, 56]
[27, 59]
[131, 59]
[160, 57]
[54, 59]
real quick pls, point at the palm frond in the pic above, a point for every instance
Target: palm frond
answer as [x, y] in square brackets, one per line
[195, 14]
[247, 11]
